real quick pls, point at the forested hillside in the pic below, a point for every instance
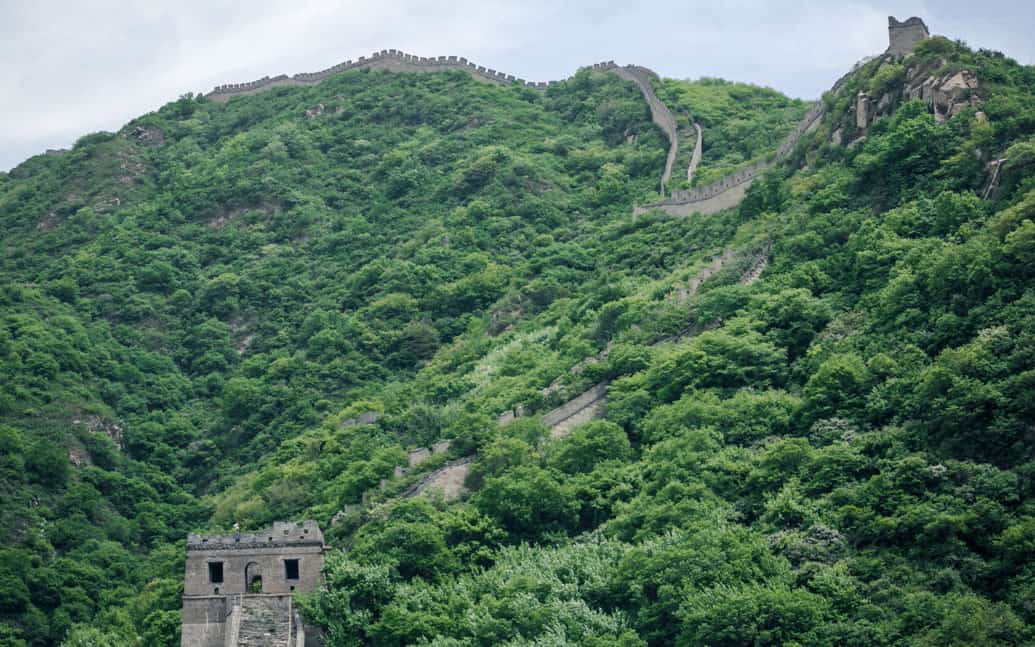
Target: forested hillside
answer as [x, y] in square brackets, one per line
[819, 416]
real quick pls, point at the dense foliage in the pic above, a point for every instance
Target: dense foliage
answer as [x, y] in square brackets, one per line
[838, 454]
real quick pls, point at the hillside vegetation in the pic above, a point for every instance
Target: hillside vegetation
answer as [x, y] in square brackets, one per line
[196, 309]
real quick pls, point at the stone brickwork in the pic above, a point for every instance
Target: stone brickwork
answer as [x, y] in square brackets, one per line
[583, 408]
[659, 112]
[695, 159]
[903, 36]
[730, 190]
[386, 59]
[224, 572]
[449, 480]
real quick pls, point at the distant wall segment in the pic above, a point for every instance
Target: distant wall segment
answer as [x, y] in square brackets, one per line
[395, 61]
[730, 190]
[659, 112]
[386, 59]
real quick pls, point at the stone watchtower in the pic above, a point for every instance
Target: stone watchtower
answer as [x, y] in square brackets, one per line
[903, 36]
[237, 588]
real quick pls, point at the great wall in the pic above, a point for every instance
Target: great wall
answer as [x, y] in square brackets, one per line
[387, 59]
[450, 478]
[717, 196]
[591, 404]
[729, 191]
[221, 608]
[393, 60]
[712, 198]
[722, 194]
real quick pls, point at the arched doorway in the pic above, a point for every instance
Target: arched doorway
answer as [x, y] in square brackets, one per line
[252, 578]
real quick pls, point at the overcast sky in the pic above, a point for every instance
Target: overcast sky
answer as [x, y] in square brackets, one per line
[72, 67]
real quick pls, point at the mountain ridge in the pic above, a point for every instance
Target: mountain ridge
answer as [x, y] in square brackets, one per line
[315, 302]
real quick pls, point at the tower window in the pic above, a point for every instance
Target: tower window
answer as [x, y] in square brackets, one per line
[215, 572]
[291, 569]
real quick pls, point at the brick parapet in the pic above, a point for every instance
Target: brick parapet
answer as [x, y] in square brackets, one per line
[397, 61]
[393, 60]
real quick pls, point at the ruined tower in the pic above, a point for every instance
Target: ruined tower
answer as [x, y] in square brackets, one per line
[237, 588]
[903, 36]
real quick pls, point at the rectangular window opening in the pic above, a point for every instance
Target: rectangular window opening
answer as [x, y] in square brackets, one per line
[291, 569]
[215, 572]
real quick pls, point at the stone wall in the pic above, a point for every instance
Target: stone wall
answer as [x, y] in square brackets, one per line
[590, 403]
[449, 479]
[660, 114]
[730, 190]
[695, 159]
[209, 605]
[903, 36]
[386, 59]
[396, 61]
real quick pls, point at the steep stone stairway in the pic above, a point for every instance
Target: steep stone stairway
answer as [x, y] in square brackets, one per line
[592, 404]
[265, 621]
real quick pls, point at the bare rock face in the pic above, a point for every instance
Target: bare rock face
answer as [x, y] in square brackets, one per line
[953, 94]
[148, 135]
[862, 110]
[98, 425]
[947, 95]
[313, 113]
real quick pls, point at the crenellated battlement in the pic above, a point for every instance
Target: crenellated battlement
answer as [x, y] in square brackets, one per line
[283, 533]
[396, 61]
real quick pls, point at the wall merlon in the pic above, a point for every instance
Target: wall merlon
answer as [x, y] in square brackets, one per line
[638, 75]
[282, 532]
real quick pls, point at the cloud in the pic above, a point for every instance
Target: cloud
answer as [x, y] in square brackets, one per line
[69, 68]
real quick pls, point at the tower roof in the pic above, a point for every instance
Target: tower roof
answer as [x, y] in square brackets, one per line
[282, 534]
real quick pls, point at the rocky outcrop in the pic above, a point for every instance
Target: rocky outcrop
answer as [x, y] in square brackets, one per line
[98, 425]
[365, 418]
[147, 135]
[946, 95]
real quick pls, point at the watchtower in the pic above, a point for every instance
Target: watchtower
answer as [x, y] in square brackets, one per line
[903, 36]
[241, 584]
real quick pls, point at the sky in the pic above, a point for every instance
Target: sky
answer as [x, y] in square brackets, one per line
[68, 68]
